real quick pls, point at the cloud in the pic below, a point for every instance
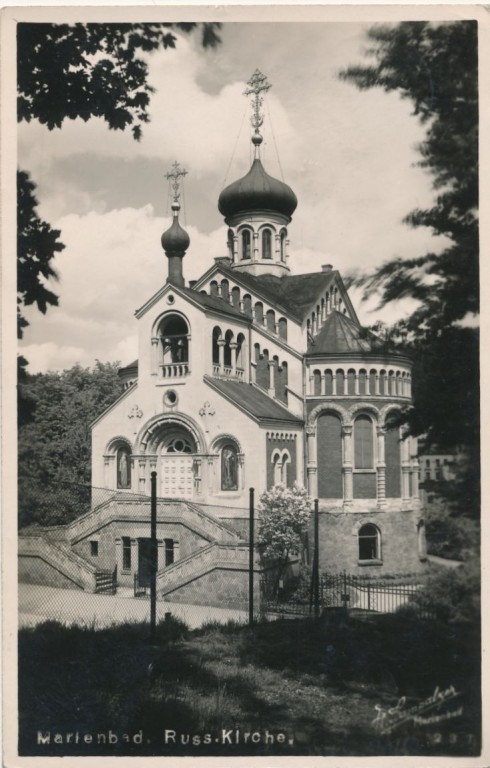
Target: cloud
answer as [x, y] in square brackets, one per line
[112, 263]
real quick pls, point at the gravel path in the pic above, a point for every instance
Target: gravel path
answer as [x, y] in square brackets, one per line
[68, 606]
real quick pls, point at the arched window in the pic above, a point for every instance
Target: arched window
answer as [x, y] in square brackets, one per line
[247, 305]
[229, 467]
[317, 383]
[216, 336]
[235, 296]
[363, 443]
[281, 462]
[270, 319]
[369, 542]
[123, 467]
[283, 246]
[227, 350]
[329, 456]
[351, 382]
[328, 382]
[240, 358]
[174, 333]
[246, 244]
[225, 290]
[267, 244]
[259, 312]
[282, 326]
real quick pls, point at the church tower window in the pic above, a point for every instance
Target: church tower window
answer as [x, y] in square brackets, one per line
[282, 246]
[246, 244]
[267, 244]
[174, 334]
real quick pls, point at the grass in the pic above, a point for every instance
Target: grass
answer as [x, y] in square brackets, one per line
[316, 682]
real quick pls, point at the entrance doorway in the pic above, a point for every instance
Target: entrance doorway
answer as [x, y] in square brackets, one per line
[144, 562]
[177, 477]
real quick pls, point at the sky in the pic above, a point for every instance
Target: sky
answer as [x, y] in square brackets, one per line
[350, 157]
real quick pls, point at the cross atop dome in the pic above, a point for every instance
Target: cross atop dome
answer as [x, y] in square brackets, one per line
[257, 84]
[174, 177]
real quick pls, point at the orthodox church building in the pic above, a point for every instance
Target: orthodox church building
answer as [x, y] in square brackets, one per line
[249, 377]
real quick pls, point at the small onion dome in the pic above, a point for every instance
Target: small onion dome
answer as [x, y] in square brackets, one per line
[175, 241]
[257, 191]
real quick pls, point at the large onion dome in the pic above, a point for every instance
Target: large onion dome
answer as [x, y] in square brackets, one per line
[257, 191]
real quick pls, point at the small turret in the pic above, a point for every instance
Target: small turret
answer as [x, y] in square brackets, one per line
[175, 241]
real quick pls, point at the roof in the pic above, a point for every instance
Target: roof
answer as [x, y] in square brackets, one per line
[253, 400]
[213, 302]
[294, 292]
[131, 368]
[341, 334]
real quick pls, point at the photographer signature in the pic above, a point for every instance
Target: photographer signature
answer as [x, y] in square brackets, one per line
[387, 719]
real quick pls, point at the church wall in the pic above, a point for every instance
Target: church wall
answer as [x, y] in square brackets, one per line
[339, 544]
[364, 485]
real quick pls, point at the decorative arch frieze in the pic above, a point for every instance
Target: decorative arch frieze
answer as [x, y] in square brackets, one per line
[345, 416]
[367, 408]
[170, 311]
[117, 442]
[386, 410]
[368, 520]
[223, 438]
[150, 430]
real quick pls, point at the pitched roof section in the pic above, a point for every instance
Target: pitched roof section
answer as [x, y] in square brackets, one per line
[215, 303]
[296, 293]
[340, 334]
[253, 400]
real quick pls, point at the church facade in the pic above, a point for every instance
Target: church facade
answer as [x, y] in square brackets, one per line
[249, 377]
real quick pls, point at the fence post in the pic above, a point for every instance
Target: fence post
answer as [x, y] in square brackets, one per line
[251, 560]
[154, 555]
[316, 564]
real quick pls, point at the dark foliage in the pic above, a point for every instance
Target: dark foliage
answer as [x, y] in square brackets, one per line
[37, 244]
[54, 439]
[93, 70]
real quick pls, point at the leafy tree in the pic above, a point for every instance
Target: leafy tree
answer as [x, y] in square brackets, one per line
[435, 67]
[37, 244]
[93, 70]
[79, 71]
[284, 516]
[54, 445]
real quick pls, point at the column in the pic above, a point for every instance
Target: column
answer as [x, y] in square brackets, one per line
[134, 555]
[235, 247]
[356, 383]
[119, 561]
[160, 554]
[109, 474]
[381, 468]
[311, 463]
[406, 461]
[415, 479]
[334, 383]
[154, 355]
[253, 372]
[323, 388]
[233, 347]
[255, 250]
[189, 353]
[368, 382]
[221, 351]
[142, 475]
[272, 389]
[348, 465]
[277, 250]
[377, 390]
[346, 382]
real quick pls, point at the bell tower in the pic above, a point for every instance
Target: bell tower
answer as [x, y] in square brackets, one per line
[258, 207]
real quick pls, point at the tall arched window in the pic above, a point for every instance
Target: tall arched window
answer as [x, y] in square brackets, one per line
[216, 336]
[123, 467]
[369, 542]
[363, 443]
[246, 244]
[229, 467]
[281, 462]
[283, 246]
[267, 244]
[329, 456]
[227, 350]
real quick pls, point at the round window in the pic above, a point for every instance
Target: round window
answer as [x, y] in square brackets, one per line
[170, 298]
[170, 398]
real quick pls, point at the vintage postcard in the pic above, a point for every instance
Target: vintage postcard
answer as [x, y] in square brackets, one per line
[240, 402]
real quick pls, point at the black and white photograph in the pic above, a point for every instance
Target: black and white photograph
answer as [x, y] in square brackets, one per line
[241, 372]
